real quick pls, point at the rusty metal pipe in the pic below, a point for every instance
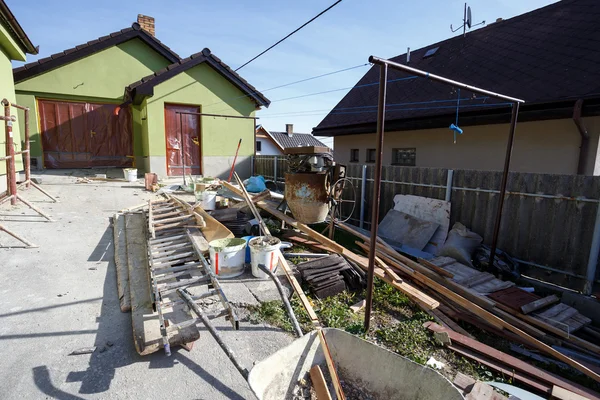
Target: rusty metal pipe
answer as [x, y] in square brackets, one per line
[509, 146]
[585, 137]
[27, 150]
[11, 178]
[383, 71]
[424, 74]
[215, 115]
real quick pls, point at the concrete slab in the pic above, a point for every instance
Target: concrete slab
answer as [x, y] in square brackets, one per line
[63, 296]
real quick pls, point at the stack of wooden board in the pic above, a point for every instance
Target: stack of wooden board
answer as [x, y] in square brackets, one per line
[324, 275]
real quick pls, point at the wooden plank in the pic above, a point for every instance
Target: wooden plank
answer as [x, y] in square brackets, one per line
[358, 306]
[564, 394]
[476, 279]
[388, 271]
[557, 331]
[439, 270]
[121, 266]
[319, 384]
[332, 371]
[480, 391]
[513, 297]
[448, 321]
[463, 382]
[508, 360]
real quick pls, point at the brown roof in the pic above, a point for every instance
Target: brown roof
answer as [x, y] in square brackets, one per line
[56, 60]
[145, 87]
[549, 57]
[18, 32]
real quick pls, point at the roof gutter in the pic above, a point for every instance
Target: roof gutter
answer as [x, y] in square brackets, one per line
[16, 27]
[585, 137]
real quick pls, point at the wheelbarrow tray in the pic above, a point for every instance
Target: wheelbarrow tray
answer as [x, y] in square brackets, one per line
[380, 372]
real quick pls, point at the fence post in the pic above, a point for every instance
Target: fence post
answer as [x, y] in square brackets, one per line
[275, 170]
[449, 184]
[363, 188]
[593, 257]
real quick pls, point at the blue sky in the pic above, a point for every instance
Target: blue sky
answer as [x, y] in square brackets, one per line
[238, 30]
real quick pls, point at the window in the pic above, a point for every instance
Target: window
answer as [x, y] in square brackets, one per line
[370, 155]
[354, 155]
[258, 145]
[406, 157]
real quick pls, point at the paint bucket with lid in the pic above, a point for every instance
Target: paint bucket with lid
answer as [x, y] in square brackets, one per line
[130, 174]
[227, 257]
[264, 251]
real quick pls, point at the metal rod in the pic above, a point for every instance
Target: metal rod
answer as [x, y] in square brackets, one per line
[34, 208]
[19, 238]
[275, 170]
[284, 298]
[11, 178]
[593, 257]
[42, 190]
[211, 329]
[304, 255]
[424, 74]
[449, 184]
[363, 189]
[181, 152]
[27, 150]
[509, 146]
[215, 115]
[383, 71]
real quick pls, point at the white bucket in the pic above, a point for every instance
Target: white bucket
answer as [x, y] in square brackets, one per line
[208, 200]
[130, 174]
[265, 254]
[227, 257]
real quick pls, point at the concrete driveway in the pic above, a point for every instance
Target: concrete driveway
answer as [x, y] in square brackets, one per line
[62, 296]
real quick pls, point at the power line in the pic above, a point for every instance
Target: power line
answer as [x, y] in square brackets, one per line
[288, 84]
[290, 34]
[389, 110]
[375, 106]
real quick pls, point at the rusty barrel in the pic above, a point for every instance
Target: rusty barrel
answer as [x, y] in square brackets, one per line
[307, 196]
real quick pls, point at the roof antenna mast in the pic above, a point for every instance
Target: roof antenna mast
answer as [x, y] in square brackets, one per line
[466, 21]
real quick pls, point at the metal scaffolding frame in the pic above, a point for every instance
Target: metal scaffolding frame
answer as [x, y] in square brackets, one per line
[384, 65]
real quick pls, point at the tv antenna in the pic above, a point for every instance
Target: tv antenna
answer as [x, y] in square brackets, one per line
[466, 21]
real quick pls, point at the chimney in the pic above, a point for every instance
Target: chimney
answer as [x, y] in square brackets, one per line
[146, 23]
[289, 129]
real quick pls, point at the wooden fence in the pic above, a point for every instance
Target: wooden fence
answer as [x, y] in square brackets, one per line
[548, 220]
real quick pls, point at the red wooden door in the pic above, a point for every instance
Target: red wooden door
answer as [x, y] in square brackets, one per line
[84, 135]
[182, 132]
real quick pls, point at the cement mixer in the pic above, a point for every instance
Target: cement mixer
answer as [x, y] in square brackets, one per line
[316, 187]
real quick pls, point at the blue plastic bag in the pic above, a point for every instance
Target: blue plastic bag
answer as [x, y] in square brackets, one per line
[256, 184]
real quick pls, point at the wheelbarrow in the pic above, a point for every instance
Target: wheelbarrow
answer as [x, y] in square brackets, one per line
[379, 372]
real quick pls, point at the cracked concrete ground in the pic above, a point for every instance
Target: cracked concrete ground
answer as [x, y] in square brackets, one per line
[62, 296]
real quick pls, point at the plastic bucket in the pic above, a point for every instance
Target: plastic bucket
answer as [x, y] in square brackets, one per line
[265, 254]
[208, 200]
[227, 257]
[248, 259]
[130, 174]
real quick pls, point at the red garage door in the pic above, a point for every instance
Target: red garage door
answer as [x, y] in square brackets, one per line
[83, 135]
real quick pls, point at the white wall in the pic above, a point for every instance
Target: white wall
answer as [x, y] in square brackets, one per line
[268, 148]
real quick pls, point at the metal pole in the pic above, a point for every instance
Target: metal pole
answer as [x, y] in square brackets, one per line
[11, 178]
[183, 293]
[593, 257]
[217, 115]
[284, 298]
[363, 189]
[275, 171]
[27, 151]
[181, 152]
[376, 191]
[509, 145]
[424, 74]
[449, 184]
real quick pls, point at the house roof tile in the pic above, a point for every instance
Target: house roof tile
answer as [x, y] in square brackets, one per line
[546, 57]
[56, 60]
[296, 140]
[144, 87]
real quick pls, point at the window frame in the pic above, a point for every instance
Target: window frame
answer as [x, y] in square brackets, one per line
[374, 156]
[259, 145]
[399, 164]
[352, 158]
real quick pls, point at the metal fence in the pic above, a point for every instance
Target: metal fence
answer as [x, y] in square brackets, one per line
[548, 221]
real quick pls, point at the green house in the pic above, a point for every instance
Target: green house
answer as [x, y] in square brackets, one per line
[127, 100]
[14, 45]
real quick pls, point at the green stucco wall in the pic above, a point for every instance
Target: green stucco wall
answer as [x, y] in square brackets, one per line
[10, 47]
[7, 90]
[202, 86]
[100, 77]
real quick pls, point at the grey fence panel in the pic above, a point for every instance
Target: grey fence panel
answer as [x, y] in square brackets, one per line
[547, 219]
